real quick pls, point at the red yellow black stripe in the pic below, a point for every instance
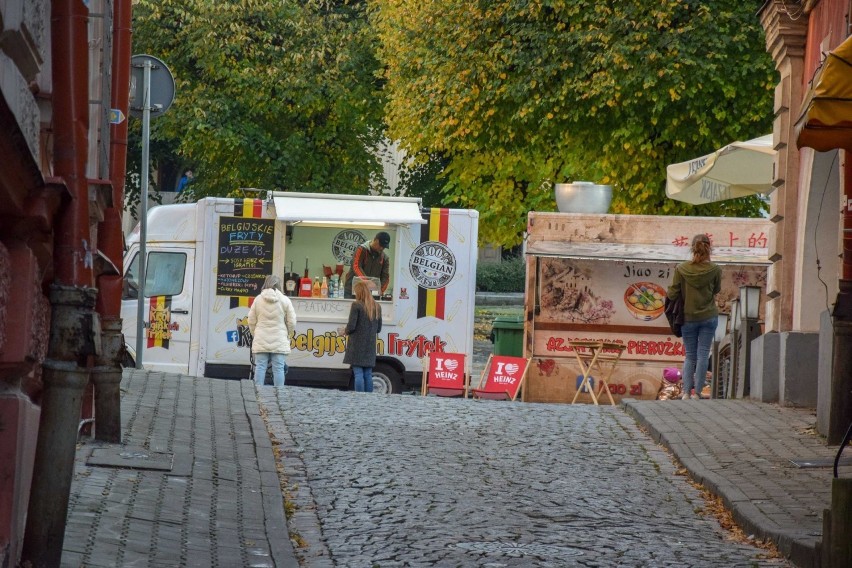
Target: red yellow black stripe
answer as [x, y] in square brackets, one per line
[253, 209]
[159, 321]
[433, 302]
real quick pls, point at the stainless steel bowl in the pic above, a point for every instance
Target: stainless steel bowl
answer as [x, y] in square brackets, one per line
[583, 197]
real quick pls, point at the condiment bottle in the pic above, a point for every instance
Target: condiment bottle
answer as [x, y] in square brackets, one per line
[317, 287]
[324, 288]
[305, 290]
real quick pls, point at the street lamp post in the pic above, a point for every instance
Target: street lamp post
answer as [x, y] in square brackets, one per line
[749, 329]
[721, 332]
[731, 390]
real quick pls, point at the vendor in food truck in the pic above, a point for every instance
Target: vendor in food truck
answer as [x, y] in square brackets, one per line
[370, 261]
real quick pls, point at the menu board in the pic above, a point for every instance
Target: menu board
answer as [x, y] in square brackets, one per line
[245, 255]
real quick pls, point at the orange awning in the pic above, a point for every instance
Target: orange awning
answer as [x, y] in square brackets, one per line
[826, 120]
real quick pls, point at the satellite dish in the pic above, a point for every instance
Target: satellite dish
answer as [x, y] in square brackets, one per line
[162, 86]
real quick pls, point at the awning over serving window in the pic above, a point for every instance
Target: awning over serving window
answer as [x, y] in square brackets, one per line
[645, 252]
[739, 169]
[826, 120]
[330, 208]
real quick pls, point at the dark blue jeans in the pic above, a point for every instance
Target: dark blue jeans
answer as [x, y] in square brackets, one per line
[363, 378]
[697, 341]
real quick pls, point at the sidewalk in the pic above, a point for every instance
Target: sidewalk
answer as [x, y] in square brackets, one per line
[742, 452]
[193, 484]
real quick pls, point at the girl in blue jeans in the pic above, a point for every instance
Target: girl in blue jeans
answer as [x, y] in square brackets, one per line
[698, 280]
[362, 329]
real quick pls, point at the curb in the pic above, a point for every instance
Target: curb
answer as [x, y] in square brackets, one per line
[496, 299]
[802, 551]
[274, 518]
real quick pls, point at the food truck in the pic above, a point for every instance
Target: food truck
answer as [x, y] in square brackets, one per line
[207, 261]
[593, 277]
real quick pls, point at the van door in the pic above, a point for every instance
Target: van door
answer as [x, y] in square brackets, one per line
[167, 310]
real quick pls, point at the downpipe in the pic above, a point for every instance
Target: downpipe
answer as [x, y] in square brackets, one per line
[75, 326]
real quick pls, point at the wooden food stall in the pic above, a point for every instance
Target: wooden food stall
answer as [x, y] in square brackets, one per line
[603, 278]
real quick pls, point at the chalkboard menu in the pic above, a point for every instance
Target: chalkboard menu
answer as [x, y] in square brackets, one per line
[245, 255]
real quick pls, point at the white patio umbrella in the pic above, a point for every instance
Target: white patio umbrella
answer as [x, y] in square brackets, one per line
[736, 170]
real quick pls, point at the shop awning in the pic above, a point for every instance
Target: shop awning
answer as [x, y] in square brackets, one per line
[826, 120]
[331, 209]
[739, 169]
[645, 253]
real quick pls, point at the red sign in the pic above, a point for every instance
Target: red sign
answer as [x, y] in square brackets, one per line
[504, 377]
[446, 370]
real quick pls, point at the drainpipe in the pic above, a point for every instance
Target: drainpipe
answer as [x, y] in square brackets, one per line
[840, 412]
[74, 327]
[107, 374]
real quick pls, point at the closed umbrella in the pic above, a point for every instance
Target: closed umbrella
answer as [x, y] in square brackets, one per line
[739, 169]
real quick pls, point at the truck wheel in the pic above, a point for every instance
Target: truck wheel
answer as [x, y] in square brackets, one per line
[386, 379]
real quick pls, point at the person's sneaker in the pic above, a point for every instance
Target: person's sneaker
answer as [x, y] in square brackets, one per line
[696, 397]
[685, 397]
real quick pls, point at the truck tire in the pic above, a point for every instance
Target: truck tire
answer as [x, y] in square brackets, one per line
[386, 379]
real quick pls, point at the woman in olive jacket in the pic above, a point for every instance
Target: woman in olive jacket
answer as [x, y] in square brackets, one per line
[365, 323]
[699, 280]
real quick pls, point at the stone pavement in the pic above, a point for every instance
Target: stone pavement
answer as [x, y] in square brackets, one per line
[402, 480]
[743, 452]
[194, 482]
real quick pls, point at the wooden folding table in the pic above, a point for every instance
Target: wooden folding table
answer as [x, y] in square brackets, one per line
[600, 356]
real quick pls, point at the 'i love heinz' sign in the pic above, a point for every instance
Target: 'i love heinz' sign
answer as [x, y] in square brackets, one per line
[446, 370]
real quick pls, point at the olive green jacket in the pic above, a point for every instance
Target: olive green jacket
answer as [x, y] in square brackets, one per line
[699, 284]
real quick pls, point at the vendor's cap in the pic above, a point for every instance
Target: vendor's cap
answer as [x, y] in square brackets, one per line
[383, 238]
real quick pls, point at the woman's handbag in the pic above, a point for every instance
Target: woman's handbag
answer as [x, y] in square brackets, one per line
[674, 312]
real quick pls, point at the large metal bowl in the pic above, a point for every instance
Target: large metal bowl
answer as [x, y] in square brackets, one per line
[582, 197]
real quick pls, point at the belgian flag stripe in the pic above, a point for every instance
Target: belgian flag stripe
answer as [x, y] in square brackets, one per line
[158, 336]
[433, 302]
[253, 209]
[422, 292]
[241, 302]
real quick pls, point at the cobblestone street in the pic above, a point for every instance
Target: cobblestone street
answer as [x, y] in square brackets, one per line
[412, 481]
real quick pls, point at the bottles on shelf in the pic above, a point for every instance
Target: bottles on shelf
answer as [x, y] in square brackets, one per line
[324, 287]
[305, 289]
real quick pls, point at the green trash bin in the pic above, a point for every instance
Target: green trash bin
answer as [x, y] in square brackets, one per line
[507, 334]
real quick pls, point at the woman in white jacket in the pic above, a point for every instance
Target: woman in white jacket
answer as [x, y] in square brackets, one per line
[270, 319]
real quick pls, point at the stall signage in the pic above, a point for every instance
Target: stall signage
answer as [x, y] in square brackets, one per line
[432, 265]
[244, 256]
[640, 347]
[344, 243]
[322, 343]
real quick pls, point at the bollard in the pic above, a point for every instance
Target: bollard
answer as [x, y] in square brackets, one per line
[107, 379]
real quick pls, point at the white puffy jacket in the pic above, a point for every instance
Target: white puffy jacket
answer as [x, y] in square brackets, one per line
[270, 319]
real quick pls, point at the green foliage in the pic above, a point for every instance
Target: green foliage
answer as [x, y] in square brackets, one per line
[506, 276]
[274, 94]
[517, 96]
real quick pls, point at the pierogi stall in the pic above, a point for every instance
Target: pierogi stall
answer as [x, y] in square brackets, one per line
[593, 277]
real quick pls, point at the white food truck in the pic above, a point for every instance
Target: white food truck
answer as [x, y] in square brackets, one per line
[207, 262]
